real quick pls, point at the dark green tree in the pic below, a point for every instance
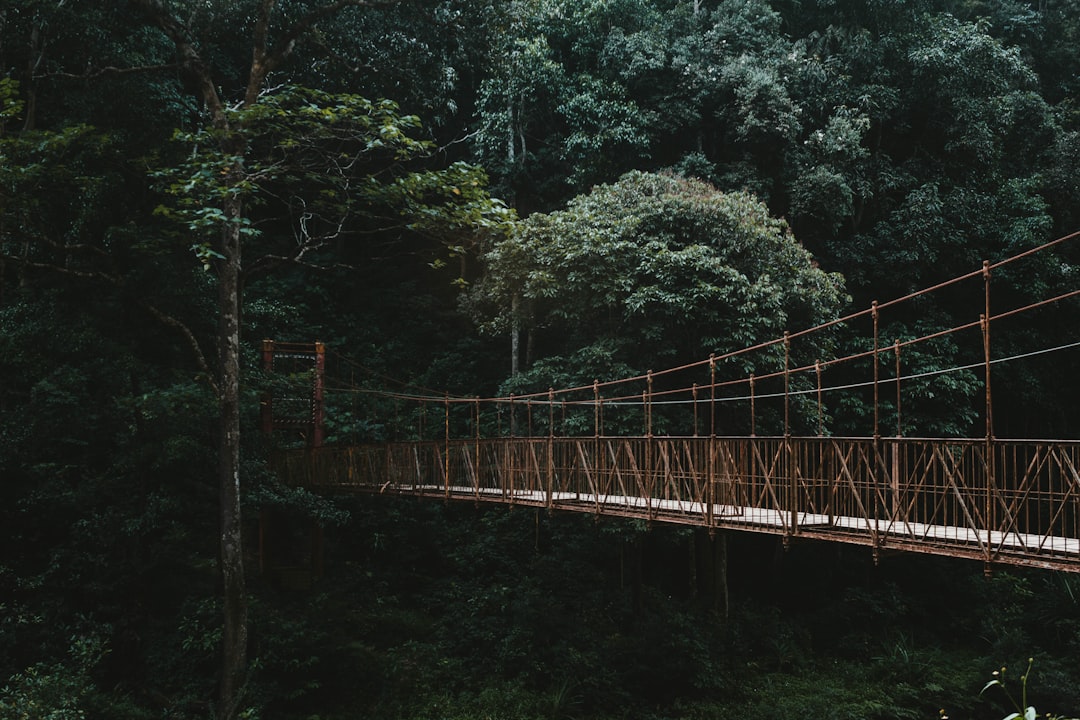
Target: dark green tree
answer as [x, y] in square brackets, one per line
[287, 173]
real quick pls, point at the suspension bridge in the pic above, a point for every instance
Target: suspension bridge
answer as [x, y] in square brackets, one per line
[708, 444]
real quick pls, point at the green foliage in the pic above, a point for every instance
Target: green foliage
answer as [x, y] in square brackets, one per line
[648, 272]
[312, 168]
[55, 691]
[10, 104]
[903, 142]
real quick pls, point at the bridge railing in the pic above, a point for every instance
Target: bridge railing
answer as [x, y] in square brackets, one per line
[1001, 501]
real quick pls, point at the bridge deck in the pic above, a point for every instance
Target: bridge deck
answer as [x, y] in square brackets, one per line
[1005, 502]
[889, 533]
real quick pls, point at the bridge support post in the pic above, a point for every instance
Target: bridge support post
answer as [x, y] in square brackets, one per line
[894, 483]
[650, 474]
[789, 464]
[318, 413]
[897, 501]
[710, 494]
[446, 446]
[989, 461]
[476, 455]
[551, 449]
[878, 508]
[266, 407]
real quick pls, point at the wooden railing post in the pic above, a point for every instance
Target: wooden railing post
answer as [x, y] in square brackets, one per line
[650, 476]
[476, 453]
[752, 470]
[897, 500]
[877, 467]
[989, 461]
[787, 385]
[266, 407]
[597, 454]
[508, 475]
[753, 414]
[711, 494]
[318, 412]
[646, 400]
[820, 410]
[551, 448]
[874, 314]
[985, 324]
[596, 408]
[693, 393]
[446, 446]
[789, 458]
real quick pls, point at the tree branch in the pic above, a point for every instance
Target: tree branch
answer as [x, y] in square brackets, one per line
[200, 358]
[267, 262]
[160, 16]
[292, 36]
[118, 282]
[75, 247]
[91, 74]
[86, 274]
[260, 66]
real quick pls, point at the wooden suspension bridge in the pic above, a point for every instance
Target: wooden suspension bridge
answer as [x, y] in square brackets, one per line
[1001, 501]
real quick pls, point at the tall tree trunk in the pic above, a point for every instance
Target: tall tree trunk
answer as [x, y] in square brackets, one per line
[234, 635]
[515, 355]
[530, 347]
[515, 336]
[510, 132]
[29, 88]
[195, 68]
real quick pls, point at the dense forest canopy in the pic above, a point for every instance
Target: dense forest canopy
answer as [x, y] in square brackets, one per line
[489, 196]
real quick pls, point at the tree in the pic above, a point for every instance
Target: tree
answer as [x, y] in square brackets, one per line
[232, 144]
[649, 272]
[288, 174]
[588, 91]
[928, 148]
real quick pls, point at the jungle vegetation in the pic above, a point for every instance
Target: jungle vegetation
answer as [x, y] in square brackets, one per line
[484, 197]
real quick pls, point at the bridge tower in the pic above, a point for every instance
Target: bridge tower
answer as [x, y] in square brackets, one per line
[300, 367]
[292, 411]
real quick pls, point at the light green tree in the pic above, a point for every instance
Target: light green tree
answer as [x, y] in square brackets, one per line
[649, 272]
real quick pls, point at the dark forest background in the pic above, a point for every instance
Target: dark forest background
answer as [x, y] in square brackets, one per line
[414, 183]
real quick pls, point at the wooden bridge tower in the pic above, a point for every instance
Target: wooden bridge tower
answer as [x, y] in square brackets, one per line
[298, 413]
[291, 548]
